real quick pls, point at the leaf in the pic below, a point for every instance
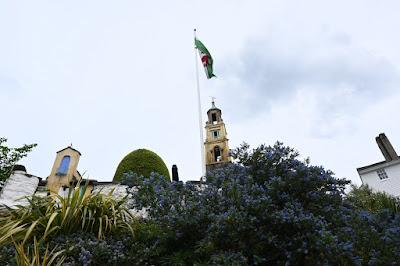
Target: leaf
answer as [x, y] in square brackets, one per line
[52, 217]
[28, 233]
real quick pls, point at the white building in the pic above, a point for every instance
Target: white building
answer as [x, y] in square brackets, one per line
[383, 176]
[18, 187]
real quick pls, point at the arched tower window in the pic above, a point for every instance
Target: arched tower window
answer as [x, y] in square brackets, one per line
[213, 118]
[217, 154]
[63, 169]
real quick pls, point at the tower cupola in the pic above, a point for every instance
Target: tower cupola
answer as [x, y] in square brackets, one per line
[214, 114]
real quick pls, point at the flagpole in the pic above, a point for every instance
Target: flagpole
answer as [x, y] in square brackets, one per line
[203, 164]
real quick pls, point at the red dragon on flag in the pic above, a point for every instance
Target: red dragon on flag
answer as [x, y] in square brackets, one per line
[205, 57]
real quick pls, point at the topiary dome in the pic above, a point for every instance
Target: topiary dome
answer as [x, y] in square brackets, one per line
[141, 162]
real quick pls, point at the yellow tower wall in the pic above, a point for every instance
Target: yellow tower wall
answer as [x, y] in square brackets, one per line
[54, 181]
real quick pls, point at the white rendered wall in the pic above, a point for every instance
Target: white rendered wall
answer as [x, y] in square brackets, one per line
[17, 188]
[391, 185]
[119, 192]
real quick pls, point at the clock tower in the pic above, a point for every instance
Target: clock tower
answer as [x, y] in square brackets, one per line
[216, 143]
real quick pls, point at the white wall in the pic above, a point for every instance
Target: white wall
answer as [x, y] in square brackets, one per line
[391, 185]
[17, 188]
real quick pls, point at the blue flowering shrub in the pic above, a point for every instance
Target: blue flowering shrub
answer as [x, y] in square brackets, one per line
[267, 208]
[7, 255]
[140, 248]
[376, 226]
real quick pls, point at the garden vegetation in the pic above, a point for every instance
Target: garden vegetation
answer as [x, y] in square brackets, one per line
[142, 162]
[10, 156]
[267, 208]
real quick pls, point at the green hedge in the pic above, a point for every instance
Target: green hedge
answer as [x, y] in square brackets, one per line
[142, 162]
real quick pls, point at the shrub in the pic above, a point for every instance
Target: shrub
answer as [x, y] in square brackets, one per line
[268, 209]
[87, 249]
[7, 255]
[271, 208]
[364, 198]
[10, 156]
[141, 248]
[48, 217]
[141, 162]
[32, 255]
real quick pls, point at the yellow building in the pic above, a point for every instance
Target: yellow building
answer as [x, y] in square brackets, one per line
[64, 172]
[216, 143]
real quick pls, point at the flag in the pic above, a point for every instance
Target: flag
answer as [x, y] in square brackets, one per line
[205, 57]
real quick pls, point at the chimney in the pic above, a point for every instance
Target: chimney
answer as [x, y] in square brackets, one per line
[386, 148]
[19, 167]
[175, 176]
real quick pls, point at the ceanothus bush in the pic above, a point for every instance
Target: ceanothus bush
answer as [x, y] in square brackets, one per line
[268, 207]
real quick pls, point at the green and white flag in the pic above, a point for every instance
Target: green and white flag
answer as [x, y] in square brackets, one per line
[205, 58]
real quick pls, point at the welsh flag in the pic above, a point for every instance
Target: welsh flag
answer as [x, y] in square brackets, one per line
[205, 57]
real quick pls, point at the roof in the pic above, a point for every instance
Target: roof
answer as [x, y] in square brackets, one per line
[193, 182]
[69, 147]
[378, 165]
[95, 182]
[42, 183]
[213, 107]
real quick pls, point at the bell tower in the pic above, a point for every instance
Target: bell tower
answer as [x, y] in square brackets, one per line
[64, 172]
[216, 144]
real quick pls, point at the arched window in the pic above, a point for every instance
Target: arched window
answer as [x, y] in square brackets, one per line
[63, 169]
[213, 118]
[217, 154]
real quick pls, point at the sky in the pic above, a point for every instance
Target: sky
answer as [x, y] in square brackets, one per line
[114, 76]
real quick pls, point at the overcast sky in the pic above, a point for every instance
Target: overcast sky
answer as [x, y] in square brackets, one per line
[114, 76]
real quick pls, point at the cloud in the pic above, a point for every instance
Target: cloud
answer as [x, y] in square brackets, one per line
[330, 73]
[8, 84]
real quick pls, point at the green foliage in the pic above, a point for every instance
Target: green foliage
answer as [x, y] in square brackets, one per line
[10, 156]
[141, 162]
[7, 255]
[87, 249]
[364, 198]
[268, 208]
[140, 248]
[27, 256]
[54, 215]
